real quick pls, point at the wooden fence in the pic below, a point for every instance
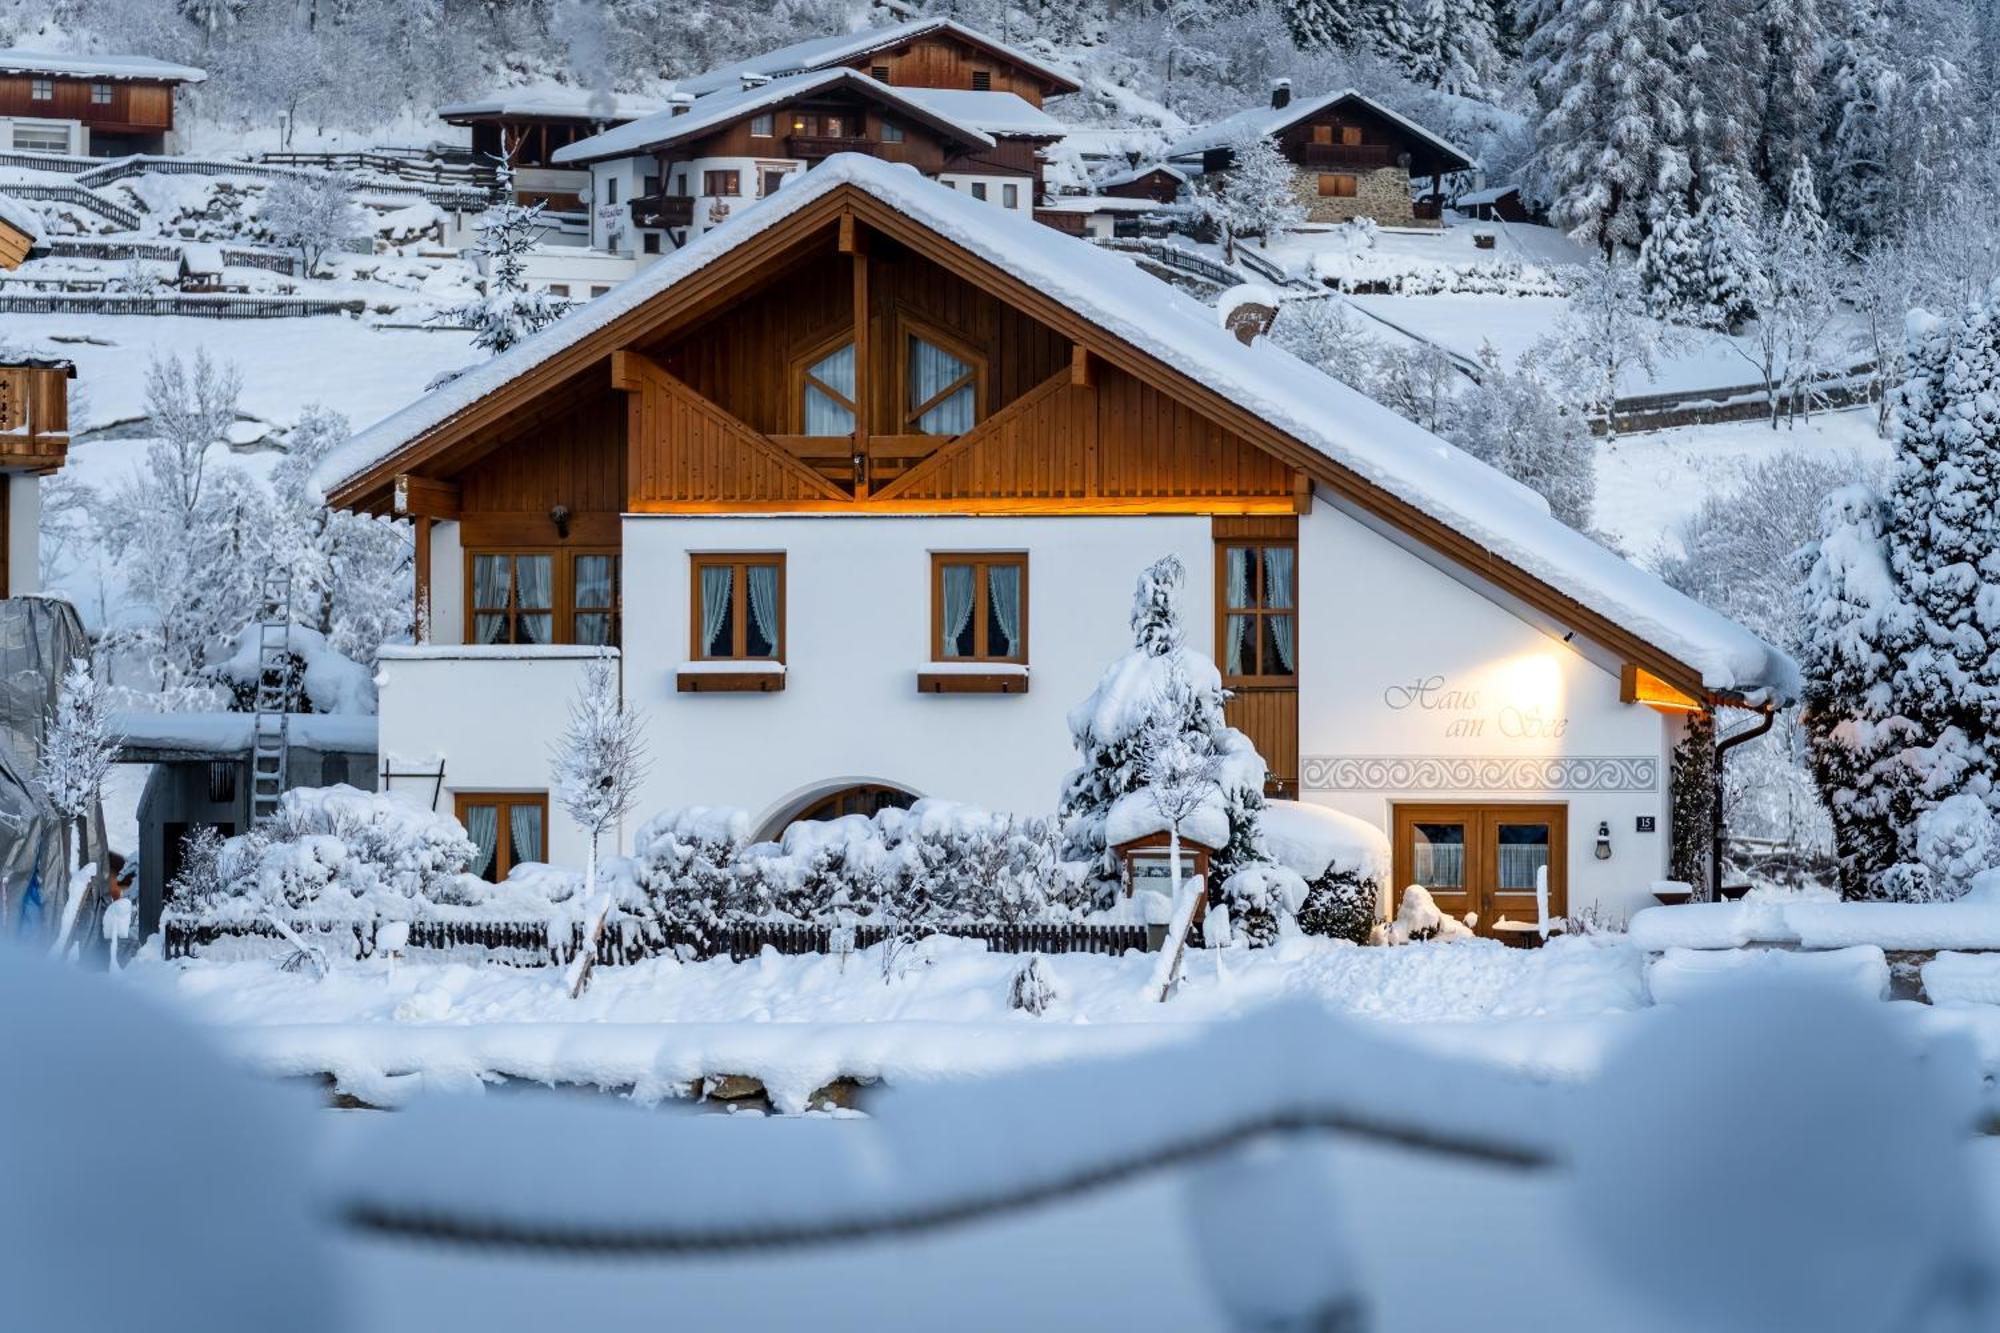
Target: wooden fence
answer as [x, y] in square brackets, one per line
[199, 305]
[79, 197]
[67, 247]
[443, 195]
[533, 944]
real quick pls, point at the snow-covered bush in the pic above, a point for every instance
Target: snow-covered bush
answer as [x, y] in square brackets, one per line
[1033, 989]
[1343, 861]
[1259, 897]
[1419, 918]
[686, 870]
[1956, 842]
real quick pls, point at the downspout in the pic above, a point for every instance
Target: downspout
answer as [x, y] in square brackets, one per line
[1722, 749]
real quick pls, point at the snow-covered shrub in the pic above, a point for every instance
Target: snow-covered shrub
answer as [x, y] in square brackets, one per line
[685, 870]
[198, 883]
[950, 861]
[316, 678]
[1341, 905]
[1033, 989]
[1259, 896]
[1956, 842]
[1419, 918]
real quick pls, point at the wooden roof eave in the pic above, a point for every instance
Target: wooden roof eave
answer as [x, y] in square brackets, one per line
[685, 302]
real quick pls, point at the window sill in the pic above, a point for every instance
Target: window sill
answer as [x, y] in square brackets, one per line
[731, 678]
[985, 678]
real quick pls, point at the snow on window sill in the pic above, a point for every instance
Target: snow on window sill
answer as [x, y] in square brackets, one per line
[727, 677]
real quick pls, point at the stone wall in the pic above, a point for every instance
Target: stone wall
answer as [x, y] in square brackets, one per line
[1381, 193]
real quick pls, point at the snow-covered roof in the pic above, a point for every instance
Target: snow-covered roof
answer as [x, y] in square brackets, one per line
[202, 258]
[1098, 203]
[1268, 120]
[712, 113]
[995, 113]
[554, 103]
[1141, 172]
[838, 48]
[13, 60]
[1353, 433]
[1491, 195]
[149, 737]
[16, 214]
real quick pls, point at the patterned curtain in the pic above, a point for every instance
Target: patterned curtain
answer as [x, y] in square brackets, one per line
[715, 582]
[1235, 644]
[1278, 593]
[524, 823]
[957, 609]
[489, 588]
[1003, 595]
[764, 610]
[482, 825]
[534, 591]
[932, 371]
[595, 588]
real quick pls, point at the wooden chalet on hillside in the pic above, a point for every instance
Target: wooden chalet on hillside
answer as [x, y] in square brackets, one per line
[532, 125]
[857, 487]
[100, 105]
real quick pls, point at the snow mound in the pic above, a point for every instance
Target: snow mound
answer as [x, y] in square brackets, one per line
[1313, 839]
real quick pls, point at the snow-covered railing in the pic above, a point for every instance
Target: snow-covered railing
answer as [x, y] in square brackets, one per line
[80, 197]
[62, 162]
[1177, 257]
[71, 247]
[443, 195]
[197, 304]
[556, 942]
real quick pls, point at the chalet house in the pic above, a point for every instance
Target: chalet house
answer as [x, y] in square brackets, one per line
[859, 485]
[534, 125]
[1161, 182]
[34, 441]
[1498, 203]
[666, 179]
[1355, 157]
[922, 53]
[103, 106]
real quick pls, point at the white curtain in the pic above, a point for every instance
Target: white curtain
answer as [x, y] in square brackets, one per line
[1236, 573]
[932, 371]
[595, 587]
[489, 589]
[524, 822]
[764, 606]
[482, 825]
[1278, 593]
[1003, 593]
[534, 591]
[715, 581]
[825, 414]
[957, 607]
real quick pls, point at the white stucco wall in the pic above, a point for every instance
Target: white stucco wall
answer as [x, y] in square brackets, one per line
[1024, 193]
[24, 531]
[1403, 665]
[447, 584]
[857, 632]
[490, 716]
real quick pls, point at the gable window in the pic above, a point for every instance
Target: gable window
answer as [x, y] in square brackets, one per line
[762, 127]
[1350, 134]
[982, 80]
[545, 597]
[1258, 589]
[880, 73]
[1323, 134]
[1336, 186]
[42, 90]
[979, 608]
[940, 388]
[1010, 196]
[826, 397]
[725, 184]
[506, 828]
[891, 132]
[836, 127]
[979, 190]
[100, 94]
[739, 608]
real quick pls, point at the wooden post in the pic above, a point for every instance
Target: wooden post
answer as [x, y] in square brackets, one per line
[422, 525]
[851, 243]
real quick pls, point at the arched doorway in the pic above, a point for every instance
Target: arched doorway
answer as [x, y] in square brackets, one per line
[853, 798]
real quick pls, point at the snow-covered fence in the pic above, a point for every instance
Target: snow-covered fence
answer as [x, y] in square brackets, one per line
[409, 164]
[541, 943]
[1177, 257]
[444, 196]
[274, 261]
[80, 197]
[60, 162]
[197, 304]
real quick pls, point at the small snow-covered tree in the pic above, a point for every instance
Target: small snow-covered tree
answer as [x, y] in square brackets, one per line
[1256, 196]
[311, 213]
[1418, 381]
[1605, 334]
[1323, 332]
[1670, 261]
[507, 311]
[1520, 421]
[1723, 233]
[599, 762]
[1182, 773]
[77, 753]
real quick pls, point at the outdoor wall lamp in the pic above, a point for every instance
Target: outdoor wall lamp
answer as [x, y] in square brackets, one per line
[1603, 840]
[560, 517]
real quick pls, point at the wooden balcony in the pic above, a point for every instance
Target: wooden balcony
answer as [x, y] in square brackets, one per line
[819, 145]
[653, 211]
[1348, 155]
[34, 414]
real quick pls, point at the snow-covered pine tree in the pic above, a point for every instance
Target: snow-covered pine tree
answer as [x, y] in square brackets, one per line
[1859, 150]
[1791, 51]
[1670, 268]
[77, 753]
[599, 762]
[507, 311]
[1386, 27]
[1517, 421]
[1256, 196]
[1610, 78]
[1451, 46]
[1110, 730]
[1725, 246]
[1320, 25]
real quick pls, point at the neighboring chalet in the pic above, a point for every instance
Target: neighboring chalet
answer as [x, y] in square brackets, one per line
[1161, 182]
[859, 486]
[34, 441]
[534, 124]
[101, 106]
[922, 53]
[666, 179]
[1130, 194]
[1499, 203]
[1355, 157]
[20, 232]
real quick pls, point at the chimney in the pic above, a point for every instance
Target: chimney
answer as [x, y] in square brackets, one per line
[1281, 94]
[750, 81]
[678, 104]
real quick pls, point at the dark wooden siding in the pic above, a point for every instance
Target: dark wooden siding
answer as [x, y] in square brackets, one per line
[133, 106]
[574, 458]
[939, 61]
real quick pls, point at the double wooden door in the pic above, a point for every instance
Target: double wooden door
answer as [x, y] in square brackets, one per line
[1484, 859]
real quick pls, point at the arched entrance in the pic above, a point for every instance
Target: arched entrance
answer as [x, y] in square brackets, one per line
[834, 801]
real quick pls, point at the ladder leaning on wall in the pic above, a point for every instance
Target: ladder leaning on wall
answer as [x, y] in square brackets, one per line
[270, 737]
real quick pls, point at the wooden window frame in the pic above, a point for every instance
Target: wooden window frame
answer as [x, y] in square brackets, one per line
[739, 594]
[41, 90]
[503, 852]
[709, 178]
[1350, 136]
[770, 121]
[1322, 134]
[101, 94]
[801, 372]
[879, 73]
[979, 560]
[562, 591]
[908, 327]
[1353, 182]
[1223, 611]
[982, 80]
[892, 132]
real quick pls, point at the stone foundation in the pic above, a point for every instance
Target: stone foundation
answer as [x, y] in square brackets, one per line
[1381, 193]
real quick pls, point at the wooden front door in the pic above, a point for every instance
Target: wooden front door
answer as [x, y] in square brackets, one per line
[1483, 859]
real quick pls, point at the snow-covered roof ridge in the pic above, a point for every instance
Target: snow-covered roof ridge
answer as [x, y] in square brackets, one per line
[1142, 171]
[1272, 119]
[819, 52]
[714, 112]
[1352, 432]
[14, 60]
[555, 101]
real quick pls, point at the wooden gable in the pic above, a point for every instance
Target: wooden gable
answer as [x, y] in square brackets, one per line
[14, 245]
[944, 60]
